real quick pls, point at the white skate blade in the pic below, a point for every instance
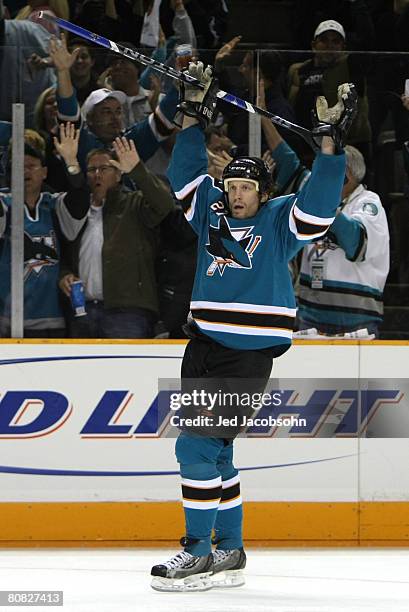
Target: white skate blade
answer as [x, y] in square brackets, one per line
[228, 579]
[196, 582]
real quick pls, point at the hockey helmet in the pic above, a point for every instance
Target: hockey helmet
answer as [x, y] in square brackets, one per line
[251, 169]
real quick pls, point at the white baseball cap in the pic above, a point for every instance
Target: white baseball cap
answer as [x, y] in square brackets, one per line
[99, 95]
[330, 24]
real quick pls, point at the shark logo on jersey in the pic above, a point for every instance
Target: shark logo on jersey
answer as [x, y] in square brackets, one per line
[231, 247]
[39, 251]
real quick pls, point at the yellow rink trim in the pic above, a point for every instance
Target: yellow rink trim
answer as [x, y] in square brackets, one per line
[147, 523]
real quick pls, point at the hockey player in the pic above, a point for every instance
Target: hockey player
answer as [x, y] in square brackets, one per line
[242, 312]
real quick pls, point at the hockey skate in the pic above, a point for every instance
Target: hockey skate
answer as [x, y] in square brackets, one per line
[228, 568]
[183, 572]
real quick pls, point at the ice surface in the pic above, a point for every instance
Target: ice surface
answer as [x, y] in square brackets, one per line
[278, 580]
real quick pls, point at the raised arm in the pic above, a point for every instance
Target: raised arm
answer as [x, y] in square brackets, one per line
[72, 206]
[149, 133]
[187, 172]
[157, 202]
[314, 207]
[182, 25]
[68, 107]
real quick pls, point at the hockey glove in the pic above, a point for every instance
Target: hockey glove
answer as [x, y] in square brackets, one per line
[195, 102]
[335, 121]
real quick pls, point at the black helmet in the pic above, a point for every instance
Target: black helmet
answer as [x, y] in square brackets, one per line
[248, 168]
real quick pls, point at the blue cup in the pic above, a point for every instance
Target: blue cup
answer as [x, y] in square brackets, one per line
[78, 298]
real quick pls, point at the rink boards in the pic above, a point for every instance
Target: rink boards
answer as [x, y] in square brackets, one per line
[80, 460]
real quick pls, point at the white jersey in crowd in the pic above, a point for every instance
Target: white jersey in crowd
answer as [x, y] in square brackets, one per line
[342, 280]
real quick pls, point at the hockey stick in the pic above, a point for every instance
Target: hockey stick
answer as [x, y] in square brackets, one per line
[308, 135]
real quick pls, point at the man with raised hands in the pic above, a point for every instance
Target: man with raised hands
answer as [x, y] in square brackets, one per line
[242, 315]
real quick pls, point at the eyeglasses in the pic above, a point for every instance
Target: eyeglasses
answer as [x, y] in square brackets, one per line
[101, 169]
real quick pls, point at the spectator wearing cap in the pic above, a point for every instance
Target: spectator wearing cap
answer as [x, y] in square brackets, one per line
[115, 253]
[103, 113]
[355, 15]
[330, 67]
[106, 121]
[46, 217]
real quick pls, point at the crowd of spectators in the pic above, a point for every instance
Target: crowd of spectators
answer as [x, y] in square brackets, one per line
[100, 131]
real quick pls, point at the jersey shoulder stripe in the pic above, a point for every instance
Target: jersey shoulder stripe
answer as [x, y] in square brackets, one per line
[307, 228]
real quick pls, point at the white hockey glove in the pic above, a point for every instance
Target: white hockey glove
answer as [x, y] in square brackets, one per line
[338, 117]
[196, 102]
[332, 114]
[202, 74]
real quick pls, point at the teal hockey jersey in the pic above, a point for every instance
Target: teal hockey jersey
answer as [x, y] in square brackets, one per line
[42, 309]
[242, 295]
